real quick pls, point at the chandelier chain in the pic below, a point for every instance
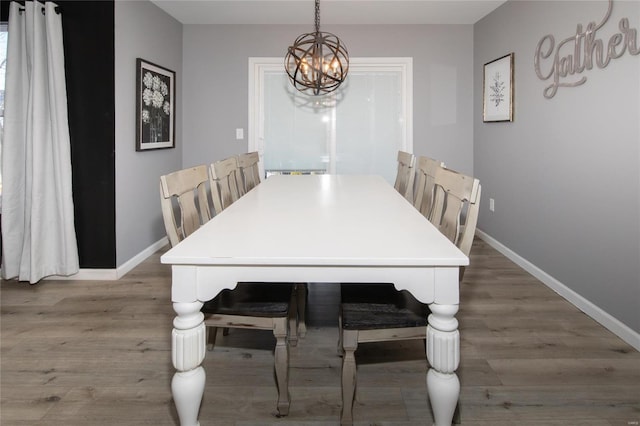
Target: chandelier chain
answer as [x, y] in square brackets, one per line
[317, 16]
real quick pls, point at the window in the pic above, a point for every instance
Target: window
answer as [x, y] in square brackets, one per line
[357, 130]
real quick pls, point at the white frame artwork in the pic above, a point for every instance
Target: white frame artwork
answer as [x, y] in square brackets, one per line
[497, 90]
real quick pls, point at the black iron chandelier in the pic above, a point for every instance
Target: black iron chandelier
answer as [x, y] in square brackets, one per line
[317, 62]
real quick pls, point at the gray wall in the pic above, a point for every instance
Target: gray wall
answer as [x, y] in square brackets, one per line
[565, 174]
[215, 82]
[142, 30]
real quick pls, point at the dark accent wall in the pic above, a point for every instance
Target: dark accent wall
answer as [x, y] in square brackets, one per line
[88, 31]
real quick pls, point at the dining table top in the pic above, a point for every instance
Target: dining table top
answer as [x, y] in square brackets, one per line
[319, 220]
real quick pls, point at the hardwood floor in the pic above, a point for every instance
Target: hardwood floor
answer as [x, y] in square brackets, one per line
[99, 353]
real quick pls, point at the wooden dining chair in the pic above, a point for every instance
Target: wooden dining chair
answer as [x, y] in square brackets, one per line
[405, 175]
[184, 201]
[224, 183]
[378, 312]
[257, 306]
[247, 174]
[248, 165]
[456, 208]
[423, 200]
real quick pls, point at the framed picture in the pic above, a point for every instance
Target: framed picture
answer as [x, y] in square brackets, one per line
[497, 90]
[155, 106]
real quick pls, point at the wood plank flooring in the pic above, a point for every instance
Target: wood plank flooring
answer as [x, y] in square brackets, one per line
[99, 353]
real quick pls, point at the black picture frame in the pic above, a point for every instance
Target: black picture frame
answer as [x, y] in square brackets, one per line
[497, 90]
[155, 106]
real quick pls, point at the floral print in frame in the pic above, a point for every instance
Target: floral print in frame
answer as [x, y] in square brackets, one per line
[155, 106]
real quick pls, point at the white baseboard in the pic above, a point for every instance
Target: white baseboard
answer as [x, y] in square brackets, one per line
[598, 314]
[140, 257]
[114, 274]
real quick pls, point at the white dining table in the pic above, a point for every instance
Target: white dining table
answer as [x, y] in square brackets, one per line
[325, 229]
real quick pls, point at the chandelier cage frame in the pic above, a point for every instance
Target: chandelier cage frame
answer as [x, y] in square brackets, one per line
[317, 62]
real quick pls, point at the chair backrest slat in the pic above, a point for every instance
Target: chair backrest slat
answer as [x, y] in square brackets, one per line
[184, 192]
[405, 175]
[249, 171]
[224, 183]
[425, 186]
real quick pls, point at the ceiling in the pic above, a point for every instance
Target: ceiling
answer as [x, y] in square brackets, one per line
[331, 11]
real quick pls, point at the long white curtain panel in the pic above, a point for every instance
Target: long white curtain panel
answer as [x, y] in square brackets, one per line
[38, 234]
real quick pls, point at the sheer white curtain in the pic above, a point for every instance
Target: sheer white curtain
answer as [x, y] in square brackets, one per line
[38, 234]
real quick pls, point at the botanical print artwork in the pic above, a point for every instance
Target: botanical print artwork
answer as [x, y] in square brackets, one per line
[497, 90]
[156, 107]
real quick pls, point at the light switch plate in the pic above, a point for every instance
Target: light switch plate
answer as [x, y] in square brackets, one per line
[239, 134]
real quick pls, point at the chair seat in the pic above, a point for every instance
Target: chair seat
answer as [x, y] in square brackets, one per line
[252, 299]
[380, 306]
[374, 316]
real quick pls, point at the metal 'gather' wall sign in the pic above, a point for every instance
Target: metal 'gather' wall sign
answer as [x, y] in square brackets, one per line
[581, 51]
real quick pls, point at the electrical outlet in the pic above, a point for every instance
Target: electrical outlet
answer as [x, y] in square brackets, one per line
[239, 134]
[492, 205]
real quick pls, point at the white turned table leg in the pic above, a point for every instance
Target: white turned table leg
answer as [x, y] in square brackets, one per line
[443, 354]
[188, 350]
